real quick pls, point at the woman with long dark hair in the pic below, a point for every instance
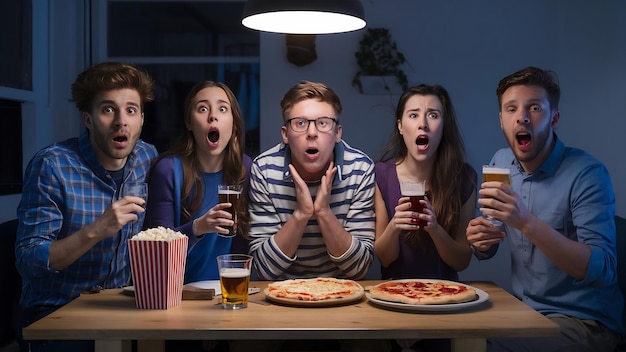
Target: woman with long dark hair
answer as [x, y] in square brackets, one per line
[426, 146]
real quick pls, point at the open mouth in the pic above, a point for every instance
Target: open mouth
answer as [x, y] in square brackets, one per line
[422, 142]
[312, 151]
[523, 139]
[120, 139]
[214, 136]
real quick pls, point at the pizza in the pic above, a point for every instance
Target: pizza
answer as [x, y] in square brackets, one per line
[315, 289]
[423, 292]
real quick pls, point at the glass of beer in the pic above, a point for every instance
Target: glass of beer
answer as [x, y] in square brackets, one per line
[416, 191]
[498, 174]
[234, 279]
[230, 194]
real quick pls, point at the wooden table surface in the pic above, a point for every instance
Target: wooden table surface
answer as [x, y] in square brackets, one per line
[111, 318]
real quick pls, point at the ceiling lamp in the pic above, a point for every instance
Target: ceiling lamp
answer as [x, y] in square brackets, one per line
[304, 16]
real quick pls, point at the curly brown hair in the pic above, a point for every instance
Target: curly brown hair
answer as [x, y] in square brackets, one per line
[108, 76]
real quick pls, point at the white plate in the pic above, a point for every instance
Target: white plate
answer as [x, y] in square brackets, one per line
[481, 296]
[214, 284]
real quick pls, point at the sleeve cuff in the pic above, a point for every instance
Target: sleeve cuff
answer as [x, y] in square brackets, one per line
[482, 255]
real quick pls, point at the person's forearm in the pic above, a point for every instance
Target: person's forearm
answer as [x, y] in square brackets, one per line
[337, 239]
[290, 234]
[456, 253]
[571, 256]
[66, 251]
[387, 247]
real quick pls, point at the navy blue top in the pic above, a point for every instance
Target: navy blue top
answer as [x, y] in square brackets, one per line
[201, 256]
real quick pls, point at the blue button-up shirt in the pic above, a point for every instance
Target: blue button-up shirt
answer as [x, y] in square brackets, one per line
[66, 188]
[572, 192]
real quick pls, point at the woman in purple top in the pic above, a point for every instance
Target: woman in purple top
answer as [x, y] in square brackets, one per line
[426, 146]
[208, 153]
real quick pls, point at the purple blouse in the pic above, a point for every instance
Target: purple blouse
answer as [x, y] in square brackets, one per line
[422, 261]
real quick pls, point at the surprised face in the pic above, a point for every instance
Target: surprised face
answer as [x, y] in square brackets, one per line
[114, 122]
[421, 126]
[528, 122]
[211, 122]
[311, 150]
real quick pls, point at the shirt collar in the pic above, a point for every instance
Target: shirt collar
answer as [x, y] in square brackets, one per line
[84, 144]
[552, 162]
[338, 152]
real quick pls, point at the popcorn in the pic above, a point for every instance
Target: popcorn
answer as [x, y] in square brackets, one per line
[157, 260]
[158, 234]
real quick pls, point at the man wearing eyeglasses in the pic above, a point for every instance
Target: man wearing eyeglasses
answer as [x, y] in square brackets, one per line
[311, 196]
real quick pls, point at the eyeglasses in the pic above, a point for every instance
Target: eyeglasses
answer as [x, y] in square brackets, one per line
[322, 124]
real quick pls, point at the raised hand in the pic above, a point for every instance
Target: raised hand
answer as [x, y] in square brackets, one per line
[305, 201]
[322, 198]
[117, 215]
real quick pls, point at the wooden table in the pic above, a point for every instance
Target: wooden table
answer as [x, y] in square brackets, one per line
[111, 319]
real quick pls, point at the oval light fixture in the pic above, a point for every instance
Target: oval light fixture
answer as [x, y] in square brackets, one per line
[304, 16]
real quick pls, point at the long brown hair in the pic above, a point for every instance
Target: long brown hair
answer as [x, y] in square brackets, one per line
[445, 188]
[234, 171]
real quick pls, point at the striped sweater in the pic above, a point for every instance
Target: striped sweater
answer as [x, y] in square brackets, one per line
[273, 200]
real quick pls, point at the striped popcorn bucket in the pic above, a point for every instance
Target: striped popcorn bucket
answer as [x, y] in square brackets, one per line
[158, 269]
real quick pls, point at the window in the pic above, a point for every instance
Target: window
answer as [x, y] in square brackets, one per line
[16, 38]
[11, 147]
[16, 85]
[181, 43]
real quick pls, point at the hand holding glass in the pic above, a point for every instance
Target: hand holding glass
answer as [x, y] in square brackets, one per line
[416, 191]
[491, 173]
[230, 194]
[234, 279]
[136, 189]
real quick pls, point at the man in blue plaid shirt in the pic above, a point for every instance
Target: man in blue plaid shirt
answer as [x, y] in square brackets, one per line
[74, 222]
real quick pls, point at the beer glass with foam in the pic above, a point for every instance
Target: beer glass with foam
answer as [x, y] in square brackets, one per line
[234, 279]
[498, 174]
[230, 194]
[416, 191]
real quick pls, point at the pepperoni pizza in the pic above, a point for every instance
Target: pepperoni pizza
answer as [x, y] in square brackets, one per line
[423, 292]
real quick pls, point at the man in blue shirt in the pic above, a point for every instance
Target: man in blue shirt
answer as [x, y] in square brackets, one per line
[74, 222]
[559, 220]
